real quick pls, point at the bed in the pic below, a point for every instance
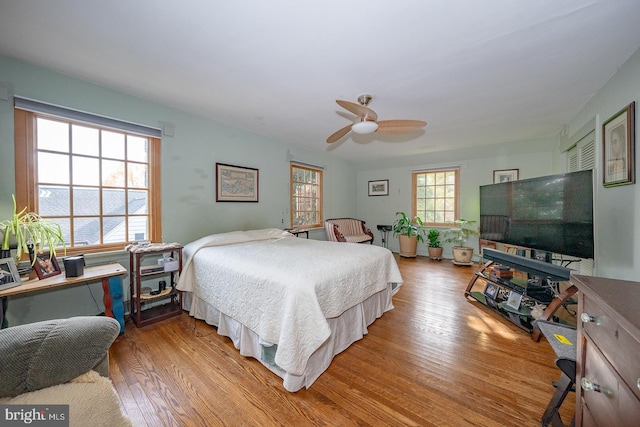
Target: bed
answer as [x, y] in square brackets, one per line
[291, 303]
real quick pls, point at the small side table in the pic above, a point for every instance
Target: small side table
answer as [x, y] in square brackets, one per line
[296, 232]
[384, 230]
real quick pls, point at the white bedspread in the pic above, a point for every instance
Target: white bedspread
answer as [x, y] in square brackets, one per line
[283, 287]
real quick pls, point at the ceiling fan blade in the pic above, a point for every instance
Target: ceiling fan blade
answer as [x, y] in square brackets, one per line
[358, 109]
[399, 126]
[339, 134]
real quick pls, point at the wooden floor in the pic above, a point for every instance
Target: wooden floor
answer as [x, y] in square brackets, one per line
[437, 359]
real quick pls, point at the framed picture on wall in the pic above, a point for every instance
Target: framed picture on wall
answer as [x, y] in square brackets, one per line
[379, 188]
[505, 175]
[618, 148]
[236, 183]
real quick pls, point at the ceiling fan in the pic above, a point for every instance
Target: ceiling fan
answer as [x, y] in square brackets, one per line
[369, 121]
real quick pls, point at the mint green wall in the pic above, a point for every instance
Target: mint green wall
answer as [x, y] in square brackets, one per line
[189, 157]
[532, 158]
[617, 228]
[189, 210]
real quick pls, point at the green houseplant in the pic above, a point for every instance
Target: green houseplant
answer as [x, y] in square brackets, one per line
[435, 247]
[458, 235]
[26, 231]
[410, 231]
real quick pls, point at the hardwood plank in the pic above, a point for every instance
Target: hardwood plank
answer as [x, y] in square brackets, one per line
[436, 359]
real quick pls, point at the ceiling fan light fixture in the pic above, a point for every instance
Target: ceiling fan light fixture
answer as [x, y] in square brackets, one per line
[364, 127]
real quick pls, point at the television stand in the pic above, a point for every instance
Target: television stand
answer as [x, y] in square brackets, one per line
[513, 285]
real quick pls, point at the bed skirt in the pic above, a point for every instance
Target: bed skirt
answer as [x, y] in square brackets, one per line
[346, 329]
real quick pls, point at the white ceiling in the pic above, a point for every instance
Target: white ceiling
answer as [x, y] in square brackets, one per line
[478, 71]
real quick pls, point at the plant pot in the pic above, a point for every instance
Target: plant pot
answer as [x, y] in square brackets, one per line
[408, 246]
[435, 253]
[462, 255]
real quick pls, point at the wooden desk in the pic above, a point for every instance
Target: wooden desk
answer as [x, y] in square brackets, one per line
[111, 286]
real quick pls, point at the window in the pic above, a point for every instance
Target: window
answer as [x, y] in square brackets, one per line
[435, 196]
[306, 196]
[99, 183]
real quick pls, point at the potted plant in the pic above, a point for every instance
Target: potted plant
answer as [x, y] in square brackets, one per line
[27, 231]
[459, 235]
[435, 247]
[410, 232]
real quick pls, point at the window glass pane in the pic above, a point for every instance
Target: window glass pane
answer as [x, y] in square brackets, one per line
[429, 191]
[52, 135]
[85, 140]
[86, 170]
[138, 202]
[65, 227]
[430, 179]
[138, 228]
[112, 145]
[53, 168]
[137, 175]
[86, 231]
[53, 201]
[86, 201]
[113, 202]
[114, 229]
[113, 173]
[137, 148]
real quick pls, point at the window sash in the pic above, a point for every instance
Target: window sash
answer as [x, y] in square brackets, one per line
[435, 196]
[305, 191]
[27, 178]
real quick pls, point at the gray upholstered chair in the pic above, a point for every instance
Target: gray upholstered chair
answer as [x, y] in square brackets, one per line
[42, 354]
[52, 361]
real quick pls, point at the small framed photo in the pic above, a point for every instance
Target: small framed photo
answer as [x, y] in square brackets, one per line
[379, 188]
[46, 265]
[514, 300]
[9, 276]
[491, 290]
[236, 183]
[505, 175]
[618, 148]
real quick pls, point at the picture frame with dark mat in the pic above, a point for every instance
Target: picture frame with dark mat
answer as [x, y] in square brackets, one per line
[618, 148]
[46, 265]
[491, 291]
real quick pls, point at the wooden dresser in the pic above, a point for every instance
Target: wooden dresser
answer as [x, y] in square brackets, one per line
[608, 349]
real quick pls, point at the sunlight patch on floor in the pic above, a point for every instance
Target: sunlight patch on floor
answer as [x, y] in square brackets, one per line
[488, 325]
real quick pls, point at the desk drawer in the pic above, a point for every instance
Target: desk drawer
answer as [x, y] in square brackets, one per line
[615, 343]
[615, 404]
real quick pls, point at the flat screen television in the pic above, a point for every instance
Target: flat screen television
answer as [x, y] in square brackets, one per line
[549, 213]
